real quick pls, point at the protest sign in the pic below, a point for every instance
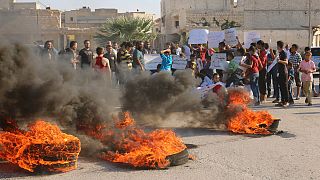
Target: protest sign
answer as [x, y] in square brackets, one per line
[219, 61]
[198, 36]
[239, 59]
[231, 36]
[251, 37]
[179, 63]
[151, 61]
[214, 38]
[274, 62]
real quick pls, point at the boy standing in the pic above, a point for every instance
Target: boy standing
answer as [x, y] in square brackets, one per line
[307, 67]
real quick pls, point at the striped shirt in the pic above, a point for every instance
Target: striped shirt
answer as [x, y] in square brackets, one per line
[295, 59]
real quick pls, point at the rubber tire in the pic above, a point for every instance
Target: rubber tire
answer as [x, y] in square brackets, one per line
[179, 159]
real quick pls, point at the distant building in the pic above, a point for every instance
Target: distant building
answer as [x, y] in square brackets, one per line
[273, 19]
[31, 23]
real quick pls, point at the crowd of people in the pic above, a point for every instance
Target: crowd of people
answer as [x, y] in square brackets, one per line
[266, 72]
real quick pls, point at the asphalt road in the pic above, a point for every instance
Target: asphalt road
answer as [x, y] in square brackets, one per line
[294, 154]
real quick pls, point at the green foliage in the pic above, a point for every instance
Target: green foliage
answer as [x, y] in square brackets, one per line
[123, 29]
[229, 24]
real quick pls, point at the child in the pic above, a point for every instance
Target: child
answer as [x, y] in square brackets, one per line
[166, 60]
[218, 85]
[192, 64]
[102, 64]
[290, 81]
[307, 67]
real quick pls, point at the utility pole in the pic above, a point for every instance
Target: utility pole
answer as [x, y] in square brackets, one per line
[310, 26]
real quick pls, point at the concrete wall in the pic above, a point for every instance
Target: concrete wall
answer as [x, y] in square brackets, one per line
[26, 5]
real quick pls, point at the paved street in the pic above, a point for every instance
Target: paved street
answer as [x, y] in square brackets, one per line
[222, 155]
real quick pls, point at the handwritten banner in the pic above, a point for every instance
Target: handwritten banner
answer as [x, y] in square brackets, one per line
[251, 37]
[198, 36]
[231, 36]
[214, 38]
[179, 63]
[219, 61]
[151, 61]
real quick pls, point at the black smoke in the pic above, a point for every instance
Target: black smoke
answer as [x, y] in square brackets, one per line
[31, 88]
[166, 100]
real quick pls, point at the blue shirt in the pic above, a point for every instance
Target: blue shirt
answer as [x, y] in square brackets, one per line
[166, 62]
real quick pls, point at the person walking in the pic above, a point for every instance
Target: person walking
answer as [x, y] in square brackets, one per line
[307, 68]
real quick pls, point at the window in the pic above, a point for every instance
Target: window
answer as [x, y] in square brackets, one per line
[71, 18]
[177, 24]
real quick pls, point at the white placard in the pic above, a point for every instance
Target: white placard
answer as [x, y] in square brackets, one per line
[198, 36]
[251, 37]
[214, 38]
[274, 62]
[179, 63]
[219, 61]
[239, 59]
[151, 61]
[231, 37]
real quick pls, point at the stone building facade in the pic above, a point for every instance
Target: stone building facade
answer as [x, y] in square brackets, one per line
[30, 24]
[274, 19]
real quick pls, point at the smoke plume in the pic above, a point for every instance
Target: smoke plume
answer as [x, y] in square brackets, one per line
[32, 88]
[165, 100]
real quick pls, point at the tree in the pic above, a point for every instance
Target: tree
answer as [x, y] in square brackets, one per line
[229, 24]
[124, 28]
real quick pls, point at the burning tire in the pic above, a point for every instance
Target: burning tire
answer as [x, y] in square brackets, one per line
[44, 147]
[179, 159]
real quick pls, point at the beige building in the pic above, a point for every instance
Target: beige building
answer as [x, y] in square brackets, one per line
[27, 23]
[31, 23]
[274, 19]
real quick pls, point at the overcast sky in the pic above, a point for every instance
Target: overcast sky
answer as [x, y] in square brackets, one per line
[151, 6]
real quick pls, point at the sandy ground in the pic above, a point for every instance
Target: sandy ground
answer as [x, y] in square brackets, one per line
[294, 154]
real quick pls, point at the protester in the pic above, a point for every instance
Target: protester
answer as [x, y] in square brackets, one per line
[124, 62]
[102, 64]
[138, 57]
[166, 60]
[186, 50]
[254, 74]
[48, 52]
[147, 48]
[283, 75]
[111, 55]
[287, 51]
[307, 67]
[70, 54]
[192, 64]
[270, 59]
[295, 59]
[274, 76]
[263, 71]
[290, 82]
[178, 49]
[218, 84]
[86, 56]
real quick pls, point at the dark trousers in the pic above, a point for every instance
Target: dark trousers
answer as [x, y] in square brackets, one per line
[262, 81]
[290, 91]
[283, 83]
[275, 83]
[269, 77]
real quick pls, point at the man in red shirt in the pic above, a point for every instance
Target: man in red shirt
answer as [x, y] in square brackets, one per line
[262, 71]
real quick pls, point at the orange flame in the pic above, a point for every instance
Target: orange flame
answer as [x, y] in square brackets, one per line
[131, 145]
[43, 146]
[245, 120]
